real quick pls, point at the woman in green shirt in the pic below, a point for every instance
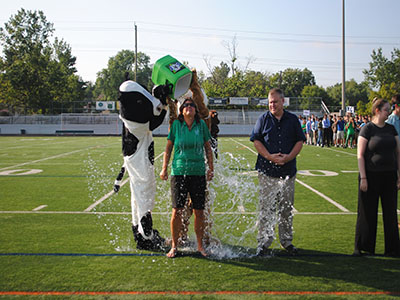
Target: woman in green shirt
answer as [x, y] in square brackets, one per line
[350, 126]
[190, 137]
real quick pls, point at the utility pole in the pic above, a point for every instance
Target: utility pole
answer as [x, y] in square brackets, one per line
[136, 54]
[343, 60]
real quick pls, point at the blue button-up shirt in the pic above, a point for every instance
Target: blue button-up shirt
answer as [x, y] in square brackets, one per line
[277, 136]
[326, 123]
[395, 121]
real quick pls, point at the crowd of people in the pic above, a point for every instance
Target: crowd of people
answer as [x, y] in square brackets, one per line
[333, 130]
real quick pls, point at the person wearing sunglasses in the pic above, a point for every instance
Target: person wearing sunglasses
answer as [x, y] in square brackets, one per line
[190, 137]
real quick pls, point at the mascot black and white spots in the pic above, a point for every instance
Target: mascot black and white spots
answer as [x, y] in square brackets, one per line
[141, 113]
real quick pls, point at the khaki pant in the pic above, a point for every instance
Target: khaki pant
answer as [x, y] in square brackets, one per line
[275, 208]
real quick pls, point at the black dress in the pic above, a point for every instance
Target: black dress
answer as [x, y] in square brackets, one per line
[381, 172]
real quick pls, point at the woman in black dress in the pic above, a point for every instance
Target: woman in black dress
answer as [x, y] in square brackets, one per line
[378, 157]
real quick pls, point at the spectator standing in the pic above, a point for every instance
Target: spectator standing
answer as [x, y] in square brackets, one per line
[394, 118]
[326, 127]
[278, 138]
[320, 133]
[378, 157]
[340, 132]
[350, 132]
[309, 132]
[334, 131]
[314, 128]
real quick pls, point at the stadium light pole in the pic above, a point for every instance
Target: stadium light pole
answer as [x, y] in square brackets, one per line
[136, 54]
[343, 59]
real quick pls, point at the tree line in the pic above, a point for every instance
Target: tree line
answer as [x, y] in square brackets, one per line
[38, 75]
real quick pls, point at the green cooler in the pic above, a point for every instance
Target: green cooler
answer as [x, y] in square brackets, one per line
[169, 70]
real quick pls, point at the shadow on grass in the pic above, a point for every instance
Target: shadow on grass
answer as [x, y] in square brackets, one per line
[375, 272]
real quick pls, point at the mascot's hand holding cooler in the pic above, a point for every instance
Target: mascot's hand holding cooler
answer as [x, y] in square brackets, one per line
[141, 113]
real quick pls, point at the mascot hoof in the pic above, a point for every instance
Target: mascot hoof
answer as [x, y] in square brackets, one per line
[156, 243]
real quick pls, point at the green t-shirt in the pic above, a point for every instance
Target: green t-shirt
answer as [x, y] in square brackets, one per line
[188, 148]
[350, 129]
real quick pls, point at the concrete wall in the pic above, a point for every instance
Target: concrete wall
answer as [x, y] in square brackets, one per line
[107, 129]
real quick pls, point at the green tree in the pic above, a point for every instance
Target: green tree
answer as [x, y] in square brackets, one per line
[311, 97]
[214, 86]
[235, 86]
[355, 92]
[34, 72]
[255, 84]
[109, 79]
[383, 73]
[292, 81]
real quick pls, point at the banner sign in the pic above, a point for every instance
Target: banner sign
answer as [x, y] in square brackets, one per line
[238, 101]
[105, 105]
[217, 101]
[259, 101]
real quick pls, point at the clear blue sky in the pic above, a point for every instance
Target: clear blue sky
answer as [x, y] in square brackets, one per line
[276, 34]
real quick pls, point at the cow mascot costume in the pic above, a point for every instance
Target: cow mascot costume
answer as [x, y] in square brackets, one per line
[141, 113]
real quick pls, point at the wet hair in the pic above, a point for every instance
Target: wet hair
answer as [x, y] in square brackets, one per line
[378, 103]
[396, 99]
[196, 116]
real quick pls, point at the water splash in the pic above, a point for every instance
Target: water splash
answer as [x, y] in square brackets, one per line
[232, 206]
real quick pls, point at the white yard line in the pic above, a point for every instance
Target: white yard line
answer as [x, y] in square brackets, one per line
[342, 208]
[39, 207]
[44, 159]
[244, 146]
[53, 157]
[109, 194]
[35, 145]
[342, 152]
[106, 196]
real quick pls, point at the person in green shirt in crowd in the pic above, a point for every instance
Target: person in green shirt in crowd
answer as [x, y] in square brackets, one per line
[190, 137]
[350, 126]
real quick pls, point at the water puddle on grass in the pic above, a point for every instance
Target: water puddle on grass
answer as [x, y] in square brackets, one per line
[232, 205]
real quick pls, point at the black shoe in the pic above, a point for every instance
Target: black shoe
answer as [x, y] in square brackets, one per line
[392, 254]
[264, 251]
[292, 250]
[362, 253]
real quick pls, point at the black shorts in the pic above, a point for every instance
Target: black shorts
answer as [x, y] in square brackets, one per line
[195, 185]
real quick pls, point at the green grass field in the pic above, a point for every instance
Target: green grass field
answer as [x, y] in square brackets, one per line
[55, 243]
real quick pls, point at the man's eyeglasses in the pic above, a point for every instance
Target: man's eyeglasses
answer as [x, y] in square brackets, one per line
[188, 105]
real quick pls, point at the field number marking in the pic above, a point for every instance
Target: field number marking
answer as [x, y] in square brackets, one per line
[310, 173]
[20, 172]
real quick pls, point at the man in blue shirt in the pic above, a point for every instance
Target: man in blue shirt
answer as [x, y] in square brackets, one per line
[340, 132]
[278, 139]
[394, 118]
[326, 125]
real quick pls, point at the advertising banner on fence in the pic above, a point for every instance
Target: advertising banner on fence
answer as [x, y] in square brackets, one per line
[238, 101]
[105, 105]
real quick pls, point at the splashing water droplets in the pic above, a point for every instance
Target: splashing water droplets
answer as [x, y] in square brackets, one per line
[231, 206]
